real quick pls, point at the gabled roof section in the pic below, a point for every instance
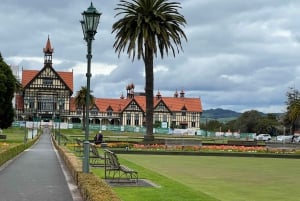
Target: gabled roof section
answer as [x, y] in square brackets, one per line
[183, 108]
[117, 105]
[140, 101]
[109, 108]
[29, 75]
[161, 101]
[176, 104]
[67, 78]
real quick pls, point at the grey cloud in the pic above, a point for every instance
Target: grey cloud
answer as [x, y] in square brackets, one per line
[239, 54]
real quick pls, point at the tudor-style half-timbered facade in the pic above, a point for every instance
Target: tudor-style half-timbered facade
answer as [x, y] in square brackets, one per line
[46, 93]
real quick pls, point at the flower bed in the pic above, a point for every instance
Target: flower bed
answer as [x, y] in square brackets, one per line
[228, 148]
[204, 148]
[225, 148]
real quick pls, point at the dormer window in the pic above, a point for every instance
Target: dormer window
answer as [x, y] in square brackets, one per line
[109, 112]
[94, 111]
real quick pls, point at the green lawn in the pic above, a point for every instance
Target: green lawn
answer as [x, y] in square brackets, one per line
[223, 178]
[14, 136]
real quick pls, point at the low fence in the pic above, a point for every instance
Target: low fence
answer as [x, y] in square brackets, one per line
[134, 129]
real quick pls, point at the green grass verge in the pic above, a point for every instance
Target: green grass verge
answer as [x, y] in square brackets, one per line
[14, 135]
[168, 189]
[224, 178]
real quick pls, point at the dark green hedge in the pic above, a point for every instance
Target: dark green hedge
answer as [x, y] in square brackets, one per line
[14, 151]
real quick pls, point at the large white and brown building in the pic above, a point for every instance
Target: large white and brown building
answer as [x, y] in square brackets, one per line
[48, 93]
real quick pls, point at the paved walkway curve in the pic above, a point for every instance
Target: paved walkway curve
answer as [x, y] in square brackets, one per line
[36, 175]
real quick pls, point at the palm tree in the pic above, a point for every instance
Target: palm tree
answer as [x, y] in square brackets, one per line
[293, 114]
[80, 100]
[148, 26]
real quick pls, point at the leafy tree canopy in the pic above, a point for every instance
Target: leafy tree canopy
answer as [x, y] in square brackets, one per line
[7, 89]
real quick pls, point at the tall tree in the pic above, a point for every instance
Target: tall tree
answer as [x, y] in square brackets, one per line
[7, 90]
[80, 99]
[148, 26]
[293, 109]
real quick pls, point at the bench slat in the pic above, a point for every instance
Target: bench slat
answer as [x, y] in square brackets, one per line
[115, 167]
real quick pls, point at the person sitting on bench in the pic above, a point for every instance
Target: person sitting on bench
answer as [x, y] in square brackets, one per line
[98, 138]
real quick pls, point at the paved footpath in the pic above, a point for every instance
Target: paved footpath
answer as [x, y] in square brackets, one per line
[38, 174]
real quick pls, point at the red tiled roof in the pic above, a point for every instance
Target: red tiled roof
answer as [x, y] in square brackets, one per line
[28, 75]
[72, 104]
[68, 78]
[19, 102]
[117, 105]
[174, 104]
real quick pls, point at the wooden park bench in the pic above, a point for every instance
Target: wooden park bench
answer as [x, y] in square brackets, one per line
[78, 146]
[2, 137]
[118, 171]
[64, 139]
[182, 142]
[96, 159]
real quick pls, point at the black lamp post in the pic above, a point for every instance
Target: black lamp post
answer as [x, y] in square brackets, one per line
[26, 102]
[89, 25]
[53, 125]
[61, 103]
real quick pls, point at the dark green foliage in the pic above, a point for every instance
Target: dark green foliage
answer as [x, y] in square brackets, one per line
[80, 100]
[291, 118]
[248, 122]
[7, 89]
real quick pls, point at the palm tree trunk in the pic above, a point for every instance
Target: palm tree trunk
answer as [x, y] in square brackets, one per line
[148, 60]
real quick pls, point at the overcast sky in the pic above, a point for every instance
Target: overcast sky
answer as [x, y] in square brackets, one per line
[240, 55]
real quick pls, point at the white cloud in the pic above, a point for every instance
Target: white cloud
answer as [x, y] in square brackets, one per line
[240, 55]
[96, 68]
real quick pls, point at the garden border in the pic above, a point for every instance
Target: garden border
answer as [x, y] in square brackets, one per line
[199, 153]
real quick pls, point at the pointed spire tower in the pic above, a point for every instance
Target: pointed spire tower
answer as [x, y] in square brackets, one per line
[48, 50]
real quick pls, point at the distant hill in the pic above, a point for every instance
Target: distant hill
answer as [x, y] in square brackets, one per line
[225, 115]
[219, 114]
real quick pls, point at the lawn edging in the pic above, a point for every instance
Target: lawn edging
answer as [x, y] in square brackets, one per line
[91, 187]
[201, 153]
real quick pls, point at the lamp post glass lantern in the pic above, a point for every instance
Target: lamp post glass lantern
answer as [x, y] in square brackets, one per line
[89, 25]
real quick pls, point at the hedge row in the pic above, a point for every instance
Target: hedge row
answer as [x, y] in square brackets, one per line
[14, 151]
[91, 187]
